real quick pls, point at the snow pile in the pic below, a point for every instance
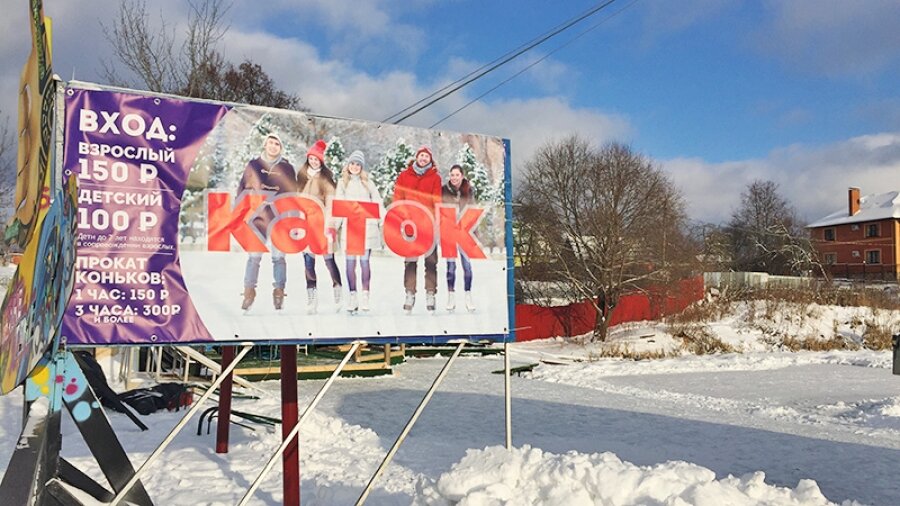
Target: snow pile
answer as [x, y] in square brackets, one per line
[337, 460]
[776, 318]
[527, 475]
[891, 408]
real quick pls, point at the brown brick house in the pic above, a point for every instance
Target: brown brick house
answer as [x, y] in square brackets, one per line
[863, 240]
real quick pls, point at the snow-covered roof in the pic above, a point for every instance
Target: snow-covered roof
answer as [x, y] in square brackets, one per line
[871, 208]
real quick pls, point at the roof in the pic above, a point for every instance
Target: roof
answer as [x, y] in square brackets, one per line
[883, 206]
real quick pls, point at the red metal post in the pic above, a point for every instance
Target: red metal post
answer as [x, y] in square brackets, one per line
[291, 458]
[224, 422]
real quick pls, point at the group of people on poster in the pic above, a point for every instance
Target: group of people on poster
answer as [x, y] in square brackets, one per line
[420, 182]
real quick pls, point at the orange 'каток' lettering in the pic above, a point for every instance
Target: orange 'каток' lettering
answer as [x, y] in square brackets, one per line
[224, 221]
[299, 225]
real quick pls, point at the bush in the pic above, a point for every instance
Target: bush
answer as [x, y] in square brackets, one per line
[877, 336]
[817, 344]
[697, 339]
[619, 350]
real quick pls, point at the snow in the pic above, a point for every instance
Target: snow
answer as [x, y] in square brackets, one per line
[872, 207]
[763, 426]
[528, 475]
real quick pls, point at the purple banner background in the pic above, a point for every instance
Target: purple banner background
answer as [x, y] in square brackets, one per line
[129, 286]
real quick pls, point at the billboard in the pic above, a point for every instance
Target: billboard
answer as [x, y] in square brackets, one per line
[208, 222]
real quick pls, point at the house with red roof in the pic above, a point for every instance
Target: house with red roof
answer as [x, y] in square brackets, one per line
[862, 240]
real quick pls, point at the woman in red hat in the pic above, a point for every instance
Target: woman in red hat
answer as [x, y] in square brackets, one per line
[315, 180]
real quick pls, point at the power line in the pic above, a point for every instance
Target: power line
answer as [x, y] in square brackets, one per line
[478, 74]
[486, 65]
[528, 67]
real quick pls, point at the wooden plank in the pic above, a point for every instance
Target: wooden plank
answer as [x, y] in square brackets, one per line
[373, 357]
[276, 371]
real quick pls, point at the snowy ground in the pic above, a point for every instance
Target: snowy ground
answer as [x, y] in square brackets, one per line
[758, 427]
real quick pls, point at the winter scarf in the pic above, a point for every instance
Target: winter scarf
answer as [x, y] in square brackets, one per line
[421, 170]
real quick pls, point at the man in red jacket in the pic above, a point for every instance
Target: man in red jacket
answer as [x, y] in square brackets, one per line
[420, 182]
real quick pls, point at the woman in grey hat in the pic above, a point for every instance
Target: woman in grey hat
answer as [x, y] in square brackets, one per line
[355, 184]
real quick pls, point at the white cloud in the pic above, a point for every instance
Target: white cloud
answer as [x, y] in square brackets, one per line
[355, 31]
[530, 123]
[813, 179]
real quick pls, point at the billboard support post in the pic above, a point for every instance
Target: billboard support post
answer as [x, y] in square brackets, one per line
[507, 395]
[178, 427]
[296, 429]
[223, 425]
[409, 424]
[290, 457]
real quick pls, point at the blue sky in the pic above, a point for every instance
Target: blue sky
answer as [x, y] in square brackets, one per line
[718, 93]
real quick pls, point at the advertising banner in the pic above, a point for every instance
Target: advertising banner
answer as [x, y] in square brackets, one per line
[209, 222]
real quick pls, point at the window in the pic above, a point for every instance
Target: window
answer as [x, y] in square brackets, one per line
[829, 234]
[830, 258]
[873, 230]
[873, 256]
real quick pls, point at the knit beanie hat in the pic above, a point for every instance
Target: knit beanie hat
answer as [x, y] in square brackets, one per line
[425, 149]
[318, 150]
[272, 135]
[357, 157]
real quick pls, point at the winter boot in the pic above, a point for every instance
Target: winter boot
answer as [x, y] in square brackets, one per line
[353, 306]
[429, 301]
[470, 304]
[249, 297]
[451, 301]
[278, 298]
[364, 304]
[409, 302]
[311, 303]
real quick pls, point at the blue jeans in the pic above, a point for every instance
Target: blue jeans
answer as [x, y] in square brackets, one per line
[365, 271]
[310, 262]
[279, 270]
[467, 272]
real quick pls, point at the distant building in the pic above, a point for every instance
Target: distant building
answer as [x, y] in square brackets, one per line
[863, 240]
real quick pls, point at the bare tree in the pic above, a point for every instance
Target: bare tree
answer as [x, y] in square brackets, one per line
[246, 83]
[713, 246]
[600, 223]
[190, 65]
[765, 233]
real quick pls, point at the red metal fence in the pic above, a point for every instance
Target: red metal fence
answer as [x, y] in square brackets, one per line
[539, 322]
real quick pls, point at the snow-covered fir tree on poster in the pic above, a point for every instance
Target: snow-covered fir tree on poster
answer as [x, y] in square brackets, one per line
[334, 157]
[385, 173]
[486, 191]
